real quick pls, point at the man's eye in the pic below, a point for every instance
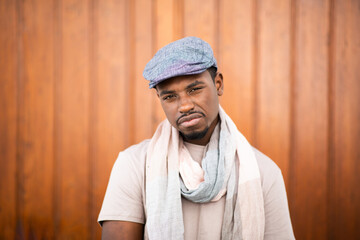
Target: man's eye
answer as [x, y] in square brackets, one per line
[168, 97]
[194, 89]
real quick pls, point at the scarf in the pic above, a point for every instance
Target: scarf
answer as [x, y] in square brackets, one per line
[171, 173]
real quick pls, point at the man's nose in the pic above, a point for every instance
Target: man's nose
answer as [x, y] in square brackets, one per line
[186, 104]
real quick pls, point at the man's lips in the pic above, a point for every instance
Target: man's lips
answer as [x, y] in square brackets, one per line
[191, 119]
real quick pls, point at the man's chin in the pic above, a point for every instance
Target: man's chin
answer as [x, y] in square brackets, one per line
[195, 135]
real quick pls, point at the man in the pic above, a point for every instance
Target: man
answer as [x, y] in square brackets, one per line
[197, 177]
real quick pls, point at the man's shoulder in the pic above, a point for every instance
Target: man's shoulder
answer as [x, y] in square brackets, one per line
[134, 155]
[137, 149]
[269, 171]
[264, 161]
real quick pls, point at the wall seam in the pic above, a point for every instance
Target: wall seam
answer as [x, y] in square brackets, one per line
[57, 109]
[292, 132]
[92, 121]
[217, 30]
[130, 85]
[256, 57]
[331, 216]
[19, 115]
[154, 46]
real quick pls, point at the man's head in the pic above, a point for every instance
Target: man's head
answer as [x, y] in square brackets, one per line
[184, 74]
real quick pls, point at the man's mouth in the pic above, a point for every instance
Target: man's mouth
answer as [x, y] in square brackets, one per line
[190, 120]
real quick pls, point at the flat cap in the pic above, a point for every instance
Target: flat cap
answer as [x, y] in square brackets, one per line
[186, 56]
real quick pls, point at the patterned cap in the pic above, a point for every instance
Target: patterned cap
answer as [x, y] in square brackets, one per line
[187, 56]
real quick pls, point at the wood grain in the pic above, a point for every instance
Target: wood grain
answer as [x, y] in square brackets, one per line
[164, 34]
[308, 192]
[236, 34]
[8, 118]
[109, 99]
[36, 117]
[345, 194]
[272, 123]
[73, 123]
[143, 49]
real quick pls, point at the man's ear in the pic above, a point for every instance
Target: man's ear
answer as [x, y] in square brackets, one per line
[157, 92]
[219, 83]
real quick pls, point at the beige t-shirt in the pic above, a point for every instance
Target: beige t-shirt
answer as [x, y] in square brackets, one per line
[125, 197]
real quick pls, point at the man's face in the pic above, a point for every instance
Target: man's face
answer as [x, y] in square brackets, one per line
[191, 104]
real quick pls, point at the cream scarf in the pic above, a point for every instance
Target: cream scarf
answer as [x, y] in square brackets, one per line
[171, 173]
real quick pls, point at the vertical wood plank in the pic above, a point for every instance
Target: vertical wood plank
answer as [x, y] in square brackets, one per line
[73, 123]
[236, 62]
[143, 50]
[308, 195]
[111, 93]
[178, 19]
[165, 22]
[201, 20]
[8, 111]
[35, 116]
[164, 33]
[345, 208]
[273, 85]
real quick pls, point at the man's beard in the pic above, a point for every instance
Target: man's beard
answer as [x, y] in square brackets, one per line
[195, 135]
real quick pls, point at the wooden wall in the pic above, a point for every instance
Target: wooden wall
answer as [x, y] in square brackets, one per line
[72, 96]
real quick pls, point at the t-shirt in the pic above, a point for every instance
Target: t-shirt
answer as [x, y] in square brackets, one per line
[125, 197]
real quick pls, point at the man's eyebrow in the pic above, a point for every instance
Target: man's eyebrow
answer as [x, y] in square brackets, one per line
[191, 85]
[163, 92]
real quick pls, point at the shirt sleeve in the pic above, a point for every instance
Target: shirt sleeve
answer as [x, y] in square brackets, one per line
[123, 197]
[277, 217]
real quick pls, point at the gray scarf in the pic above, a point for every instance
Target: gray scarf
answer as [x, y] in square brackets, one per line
[164, 187]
